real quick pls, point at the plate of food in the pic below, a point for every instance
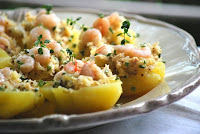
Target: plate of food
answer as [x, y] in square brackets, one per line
[71, 69]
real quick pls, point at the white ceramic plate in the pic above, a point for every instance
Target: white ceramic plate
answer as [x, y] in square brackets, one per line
[182, 76]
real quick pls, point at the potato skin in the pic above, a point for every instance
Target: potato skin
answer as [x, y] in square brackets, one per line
[138, 85]
[4, 59]
[13, 103]
[86, 99]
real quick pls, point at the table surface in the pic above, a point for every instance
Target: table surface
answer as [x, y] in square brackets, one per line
[181, 117]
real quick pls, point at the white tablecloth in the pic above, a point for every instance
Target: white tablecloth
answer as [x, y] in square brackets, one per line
[181, 117]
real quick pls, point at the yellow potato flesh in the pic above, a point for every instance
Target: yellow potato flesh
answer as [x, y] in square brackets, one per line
[86, 99]
[4, 59]
[13, 103]
[139, 85]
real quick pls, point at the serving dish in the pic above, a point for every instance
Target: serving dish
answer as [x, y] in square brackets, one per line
[182, 75]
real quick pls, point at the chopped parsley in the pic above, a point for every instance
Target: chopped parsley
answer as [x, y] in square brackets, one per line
[82, 53]
[19, 63]
[143, 45]
[117, 78]
[133, 88]
[74, 45]
[51, 51]
[33, 56]
[47, 41]
[2, 88]
[110, 29]
[109, 54]
[36, 89]
[38, 41]
[48, 8]
[72, 22]
[164, 62]
[56, 85]
[115, 52]
[41, 83]
[159, 55]
[142, 66]
[63, 73]
[126, 63]
[26, 51]
[54, 28]
[48, 68]
[95, 54]
[101, 15]
[106, 71]
[40, 51]
[137, 35]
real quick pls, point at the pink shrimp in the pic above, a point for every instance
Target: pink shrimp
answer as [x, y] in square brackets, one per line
[131, 51]
[4, 73]
[115, 20]
[2, 78]
[37, 31]
[55, 46]
[4, 43]
[27, 63]
[74, 67]
[91, 35]
[2, 24]
[91, 69]
[104, 49]
[103, 25]
[48, 20]
[43, 58]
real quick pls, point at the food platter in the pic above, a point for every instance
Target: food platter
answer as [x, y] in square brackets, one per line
[182, 75]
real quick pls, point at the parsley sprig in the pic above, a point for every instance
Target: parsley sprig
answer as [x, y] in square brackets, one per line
[72, 22]
[48, 8]
[125, 26]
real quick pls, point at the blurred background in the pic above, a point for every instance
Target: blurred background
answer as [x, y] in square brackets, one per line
[182, 13]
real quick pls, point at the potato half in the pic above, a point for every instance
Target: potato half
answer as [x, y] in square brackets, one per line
[13, 103]
[139, 85]
[86, 99]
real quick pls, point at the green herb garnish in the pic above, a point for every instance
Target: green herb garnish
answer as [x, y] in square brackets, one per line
[40, 51]
[125, 26]
[101, 15]
[26, 51]
[143, 45]
[133, 88]
[142, 66]
[51, 51]
[41, 83]
[48, 8]
[56, 85]
[48, 68]
[54, 28]
[110, 29]
[47, 41]
[19, 63]
[2, 88]
[126, 63]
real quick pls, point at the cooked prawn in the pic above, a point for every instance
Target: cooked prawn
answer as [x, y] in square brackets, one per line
[91, 35]
[103, 25]
[4, 43]
[91, 69]
[37, 31]
[115, 20]
[6, 72]
[2, 78]
[43, 58]
[27, 63]
[48, 20]
[131, 51]
[104, 49]
[55, 46]
[73, 67]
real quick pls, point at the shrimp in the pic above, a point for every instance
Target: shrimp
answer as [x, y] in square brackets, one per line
[103, 25]
[2, 78]
[73, 67]
[55, 46]
[27, 63]
[104, 49]
[91, 35]
[2, 21]
[48, 20]
[91, 69]
[37, 31]
[6, 72]
[4, 43]
[115, 20]
[43, 58]
[58, 75]
[131, 51]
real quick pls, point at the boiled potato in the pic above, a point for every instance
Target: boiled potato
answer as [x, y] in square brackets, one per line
[4, 59]
[86, 99]
[139, 85]
[13, 103]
